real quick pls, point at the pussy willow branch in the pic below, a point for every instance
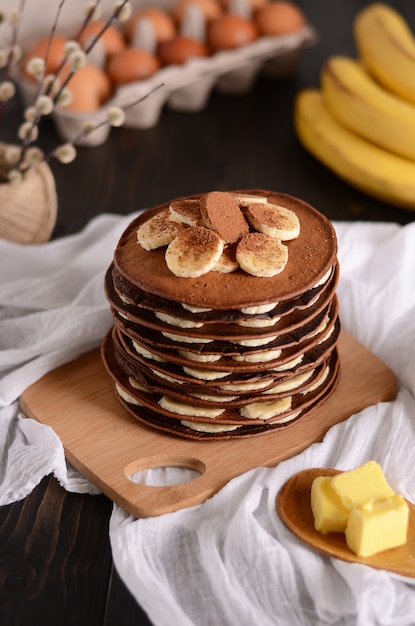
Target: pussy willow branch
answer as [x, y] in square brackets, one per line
[85, 23]
[85, 133]
[36, 118]
[113, 17]
[87, 19]
[15, 36]
[51, 35]
[13, 44]
[110, 21]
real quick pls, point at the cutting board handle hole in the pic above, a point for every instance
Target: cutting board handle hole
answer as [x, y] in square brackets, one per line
[164, 470]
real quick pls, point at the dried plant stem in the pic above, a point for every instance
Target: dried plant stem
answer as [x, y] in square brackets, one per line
[85, 23]
[14, 38]
[36, 118]
[105, 122]
[7, 69]
[51, 35]
[110, 21]
[87, 19]
[113, 17]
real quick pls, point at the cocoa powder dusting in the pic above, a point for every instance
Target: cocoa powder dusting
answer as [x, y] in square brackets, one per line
[263, 215]
[221, 212]
[199, 240]
[253, 242]
[188, 209]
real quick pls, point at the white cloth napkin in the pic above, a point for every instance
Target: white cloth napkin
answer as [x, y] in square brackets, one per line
[229, 560]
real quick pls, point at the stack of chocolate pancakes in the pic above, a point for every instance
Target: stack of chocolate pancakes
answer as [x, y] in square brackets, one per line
[225, 314]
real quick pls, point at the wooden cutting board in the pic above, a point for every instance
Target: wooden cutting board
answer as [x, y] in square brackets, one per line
[106, 444]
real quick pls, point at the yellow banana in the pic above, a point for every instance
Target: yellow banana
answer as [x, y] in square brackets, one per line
[386, 45]
[359, 103]
[367, 167]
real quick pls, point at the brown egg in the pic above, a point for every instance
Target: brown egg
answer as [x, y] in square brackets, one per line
[163, 24]
[90, 87]
[230, 31]
[210, 9]
[279, 18]
[179, 50]
[55, 54]
[112, 40]
[130, 65]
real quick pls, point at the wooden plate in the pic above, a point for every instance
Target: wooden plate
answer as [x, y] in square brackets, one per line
[294, 508]
[107, 445]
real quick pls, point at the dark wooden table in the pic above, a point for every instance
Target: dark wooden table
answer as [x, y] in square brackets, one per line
[55, 558]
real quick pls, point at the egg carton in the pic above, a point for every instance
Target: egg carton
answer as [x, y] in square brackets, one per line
[186, 87]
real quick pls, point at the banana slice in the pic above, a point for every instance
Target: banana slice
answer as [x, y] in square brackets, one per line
[126, 396]
[124, 316]
[209, 428]
[147, 354]
[210, 398]
[265, 410]
[327, 335]
[249, 386]
[289, 365]
[323, 279]
[259, 308]
[245, 199]
[194, 252]
[204, 374]
[169, 379]
[318, 382]
[185, 338]
[227, 262]
[200, 358]
[169, 404]
[158, 231]
[253, 343]
[261, 255]
[320, 327]
[125, 300]
[180, 322]
[287, 418]
[259, 357]
[194, 309]
[186, 211]
[259, 323]
[291, 383]
[273, 220]
[137, 385]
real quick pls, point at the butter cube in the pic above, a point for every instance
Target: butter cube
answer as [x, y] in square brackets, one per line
[364, 483]
[329, 513]
[377, 526]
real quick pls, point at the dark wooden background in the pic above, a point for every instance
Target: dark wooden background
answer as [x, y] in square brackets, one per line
[55, 558]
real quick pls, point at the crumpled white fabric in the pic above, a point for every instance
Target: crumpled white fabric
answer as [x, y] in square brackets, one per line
[229, 560]
[52, 308]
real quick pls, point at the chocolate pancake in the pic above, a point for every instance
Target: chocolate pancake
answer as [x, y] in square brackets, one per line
[234, 391]
[170, 365]
[242, 326]
[210, 346]
[218, 357]
[146, 405]
[128, 299]
[311, 255]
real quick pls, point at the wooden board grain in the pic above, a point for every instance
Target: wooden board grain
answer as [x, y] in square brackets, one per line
[106, 444]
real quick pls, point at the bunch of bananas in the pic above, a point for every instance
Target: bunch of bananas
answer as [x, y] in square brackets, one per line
[361, 122]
